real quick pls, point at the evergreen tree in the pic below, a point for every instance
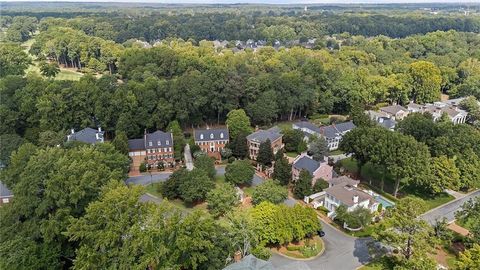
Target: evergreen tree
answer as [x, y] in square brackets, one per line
[239, 146]
[303, 185]
[121, 142]
[282, 171]
[265, 153]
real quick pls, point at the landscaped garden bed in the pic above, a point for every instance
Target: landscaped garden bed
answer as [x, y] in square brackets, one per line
[304, 249]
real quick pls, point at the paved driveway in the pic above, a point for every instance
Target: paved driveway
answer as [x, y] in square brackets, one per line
[341, 252]
[448, 210]
[161, 177]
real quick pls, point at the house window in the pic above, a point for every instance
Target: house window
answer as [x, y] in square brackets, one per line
[211, 136]
[159, 143]
[169, 149]
[201, 136]
[167, 142]
[150, 143]
[164, 149]
[221, 135]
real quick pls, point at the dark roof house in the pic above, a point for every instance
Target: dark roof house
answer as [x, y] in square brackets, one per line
[332, 131]
[5, 193]
[158, 139]
[262, 135]
[306, 163]
[86, 135]
[213, 134]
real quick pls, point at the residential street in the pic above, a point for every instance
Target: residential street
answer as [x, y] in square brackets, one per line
[341, 252]
[448, 210]
[160, 177]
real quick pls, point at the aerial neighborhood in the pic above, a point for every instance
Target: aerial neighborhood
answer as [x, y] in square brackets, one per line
[224, 136]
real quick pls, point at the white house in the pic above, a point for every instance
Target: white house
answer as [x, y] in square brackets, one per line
[342, 192]
[333, 134]
[437, 109]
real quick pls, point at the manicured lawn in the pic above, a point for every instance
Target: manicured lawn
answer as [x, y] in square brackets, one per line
[302, 250]
[248, 191]
[335, 152]
[152, 189]
[381, 263]
[373, 174]
[291, 154]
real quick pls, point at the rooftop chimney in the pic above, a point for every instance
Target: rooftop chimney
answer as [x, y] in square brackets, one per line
[237, 256]
[355, 198]
[72, 131]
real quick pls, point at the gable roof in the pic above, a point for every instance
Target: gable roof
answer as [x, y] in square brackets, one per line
[158, 139]
[250, 262]
[343, 180]
[86, 135]
[136, 144]
[307, 125]
[306, 163]
[262, 135]
[334, 130]
[386, 122]
[393, 109]
[345, 193]
[207, 133]
[4, 191]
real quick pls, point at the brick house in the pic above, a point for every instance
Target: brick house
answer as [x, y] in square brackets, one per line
[318, 170]
[154, 148]
[256, 138]
[211, 141]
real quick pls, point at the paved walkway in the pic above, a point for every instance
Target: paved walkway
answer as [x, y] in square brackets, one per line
[188, 157]
[449, 209]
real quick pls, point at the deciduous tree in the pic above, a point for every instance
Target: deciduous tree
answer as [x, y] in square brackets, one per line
[240, 172]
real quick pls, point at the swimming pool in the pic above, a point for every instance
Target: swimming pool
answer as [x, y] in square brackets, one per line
[385, 203]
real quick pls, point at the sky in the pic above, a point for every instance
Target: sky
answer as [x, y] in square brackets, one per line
[257, 1]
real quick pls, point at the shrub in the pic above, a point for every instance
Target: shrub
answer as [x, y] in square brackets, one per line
[293, 248]
[239, 172]
[143, 167]
[261, 252]
[231, 159]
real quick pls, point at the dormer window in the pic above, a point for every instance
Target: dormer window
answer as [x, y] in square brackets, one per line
[201, 136]
[221, 135]
[211, 136]
[167, 142]
[150, 143]
[159, 143]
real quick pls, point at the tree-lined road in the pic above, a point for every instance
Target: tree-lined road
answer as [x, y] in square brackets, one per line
[448, 210]
[341, 252]
[161, 177]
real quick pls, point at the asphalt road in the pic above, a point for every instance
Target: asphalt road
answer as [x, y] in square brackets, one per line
[341, 252]
[448, 210]
[160, 177]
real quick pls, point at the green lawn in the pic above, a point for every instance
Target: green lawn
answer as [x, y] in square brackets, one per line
[335, 152]
[152, 189]
[291, 154]
[373, 174]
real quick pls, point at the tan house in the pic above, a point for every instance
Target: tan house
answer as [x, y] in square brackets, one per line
[255, 139]
[211, 141]
[395, 112]
[156, 149]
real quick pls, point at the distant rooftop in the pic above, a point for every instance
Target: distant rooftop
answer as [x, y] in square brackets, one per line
[86, 135]
[211, 134]
[262, 135]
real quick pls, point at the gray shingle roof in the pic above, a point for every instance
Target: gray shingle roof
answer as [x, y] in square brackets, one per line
[87, 135]
[306, 163]
[262, 135]
[307, 125]
[332, 131]
[4, 191]
[343, 180]
[345, 193]
[159, 139]
[393, 109]
[136, 144]
[206, 134]
[250, 262]
[386, 122]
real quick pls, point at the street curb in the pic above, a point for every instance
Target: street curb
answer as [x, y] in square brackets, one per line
[307, 259]
[450, 202]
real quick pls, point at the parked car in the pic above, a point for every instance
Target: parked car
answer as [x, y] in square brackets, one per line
[321, 233]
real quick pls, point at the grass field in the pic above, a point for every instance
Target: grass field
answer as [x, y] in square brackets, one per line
[373, 174]
[64, 74]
